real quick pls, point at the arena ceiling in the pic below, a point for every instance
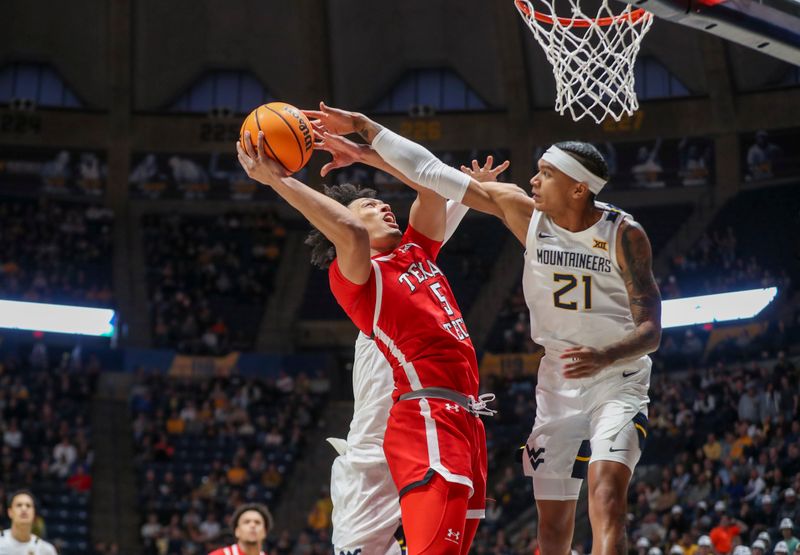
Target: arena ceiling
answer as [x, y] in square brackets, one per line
[349, 52]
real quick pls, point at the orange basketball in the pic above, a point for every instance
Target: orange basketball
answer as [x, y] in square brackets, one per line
[288, 137]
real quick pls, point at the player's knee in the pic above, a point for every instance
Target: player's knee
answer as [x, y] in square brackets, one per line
[554, 536]
[608, 502]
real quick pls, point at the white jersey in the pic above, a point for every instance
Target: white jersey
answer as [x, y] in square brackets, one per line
[574, 287]
[373, 384]
[36, 545]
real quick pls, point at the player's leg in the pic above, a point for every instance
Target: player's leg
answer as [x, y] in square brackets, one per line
[365, 508]
[556, 457]
[610, 471]
[608, 490]
[556, 501]
[476, 508]
[434, 517]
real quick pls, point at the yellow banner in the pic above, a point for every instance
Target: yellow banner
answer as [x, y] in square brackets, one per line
[184, 366]
[510, 364]
[723, 334]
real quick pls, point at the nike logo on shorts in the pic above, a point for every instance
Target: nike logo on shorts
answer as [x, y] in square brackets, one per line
[629, 374]
[612, 450]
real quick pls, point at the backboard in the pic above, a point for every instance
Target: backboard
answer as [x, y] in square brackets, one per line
[768, 26]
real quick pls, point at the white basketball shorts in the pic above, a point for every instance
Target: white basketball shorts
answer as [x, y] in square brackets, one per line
[579, 422]
[366, 507]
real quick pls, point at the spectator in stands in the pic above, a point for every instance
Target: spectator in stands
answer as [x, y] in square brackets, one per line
[53, 244]
[175, 424]
[749, 408]
[723, 534]
[150, 530]
[64, 456]
[712, 448]
[197, 265]
[271, 478]
[761, 157]
[787, 528]
[12, 436]
[320, 516]
[162, 450]
[704, 545]
[237, 473]
[210, 528]
[80, 480]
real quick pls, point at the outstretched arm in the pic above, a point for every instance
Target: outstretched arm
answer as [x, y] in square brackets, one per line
[334, 221]
[421, 167]
[428, 210]
[636, 262]
[345, 152]
[510, 203]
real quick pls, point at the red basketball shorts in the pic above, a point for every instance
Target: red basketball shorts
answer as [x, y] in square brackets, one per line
[432, 436]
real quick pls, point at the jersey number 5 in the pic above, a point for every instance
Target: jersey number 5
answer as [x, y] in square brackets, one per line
[572, 283]
[442, 299]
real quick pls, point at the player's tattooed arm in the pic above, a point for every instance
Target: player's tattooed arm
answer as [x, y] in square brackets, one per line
[367, 129]
[636, 264]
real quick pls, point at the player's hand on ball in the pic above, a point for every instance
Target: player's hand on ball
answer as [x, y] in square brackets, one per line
[257, 164]
[333, 120]
[585, 362]
[344, 151]
[486, 172]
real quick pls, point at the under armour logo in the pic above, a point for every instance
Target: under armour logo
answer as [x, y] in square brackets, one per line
[533, 456]
[453, 536]
[450, 407]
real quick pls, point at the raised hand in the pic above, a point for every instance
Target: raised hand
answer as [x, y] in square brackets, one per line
[344, 151]
[486, 172]
[333, 120]
[256, 163]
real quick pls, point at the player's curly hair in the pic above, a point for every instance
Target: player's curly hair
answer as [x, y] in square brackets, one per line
[322, 249]
[589, 156]
[257, 507]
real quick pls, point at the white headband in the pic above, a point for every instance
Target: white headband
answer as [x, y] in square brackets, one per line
[573, 168]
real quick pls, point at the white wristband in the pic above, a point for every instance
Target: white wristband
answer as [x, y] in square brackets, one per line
[420, 165]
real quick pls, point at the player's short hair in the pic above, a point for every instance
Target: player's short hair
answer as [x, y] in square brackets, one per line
[257, 507]
[589, 156]
[322, 249]
[17, 493]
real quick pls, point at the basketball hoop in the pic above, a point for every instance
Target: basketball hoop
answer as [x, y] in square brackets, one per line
[592, 57]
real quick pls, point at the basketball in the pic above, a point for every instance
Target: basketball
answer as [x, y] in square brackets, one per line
[287, 134]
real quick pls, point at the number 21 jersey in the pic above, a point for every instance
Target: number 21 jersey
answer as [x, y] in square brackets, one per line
[573, 284]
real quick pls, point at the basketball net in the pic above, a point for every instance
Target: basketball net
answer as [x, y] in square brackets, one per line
[592, 56]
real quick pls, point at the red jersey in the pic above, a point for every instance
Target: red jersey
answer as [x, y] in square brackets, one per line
[230, 550]
[408, 307]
